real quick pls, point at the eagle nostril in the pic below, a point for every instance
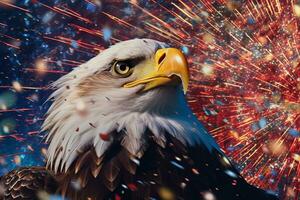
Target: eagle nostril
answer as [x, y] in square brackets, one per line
[162, 57]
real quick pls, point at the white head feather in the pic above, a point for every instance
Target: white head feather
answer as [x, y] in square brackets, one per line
[87, 103]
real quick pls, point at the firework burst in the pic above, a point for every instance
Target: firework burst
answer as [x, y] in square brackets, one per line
[244, 65]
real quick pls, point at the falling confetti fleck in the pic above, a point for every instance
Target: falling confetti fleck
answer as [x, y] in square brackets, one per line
[208, 196]
[166, 194]
[277, 147]
[105, 136]
[132, 186]
[296, 157]
[17, 86]
[81, 108]
[207, 69]
[106, 33]
[41, 66]
[297, 10]
[244, 66]
[17, 160]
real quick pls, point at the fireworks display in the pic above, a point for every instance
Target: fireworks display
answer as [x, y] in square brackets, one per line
[244, 64]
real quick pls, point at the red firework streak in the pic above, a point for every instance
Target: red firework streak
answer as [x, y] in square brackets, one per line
[244, 65]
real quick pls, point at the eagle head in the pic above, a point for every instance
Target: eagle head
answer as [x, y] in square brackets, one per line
[133, 86]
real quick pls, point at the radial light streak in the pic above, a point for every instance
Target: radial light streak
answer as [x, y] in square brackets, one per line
[244, 64]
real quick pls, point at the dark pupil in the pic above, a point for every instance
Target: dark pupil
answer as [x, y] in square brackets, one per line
[123, 67]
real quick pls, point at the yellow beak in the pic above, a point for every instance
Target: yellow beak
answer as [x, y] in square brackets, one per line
[169, 65]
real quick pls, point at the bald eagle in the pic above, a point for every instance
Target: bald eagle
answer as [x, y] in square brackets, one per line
[119, 127]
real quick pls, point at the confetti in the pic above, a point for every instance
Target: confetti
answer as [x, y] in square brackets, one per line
[208, 38]
[195, 171]
[132, 186]
[277, 147]
[41, 66]
[231, 173]
[296, 157]
[17, 160]
[207, 69]
[244, 54]
[17, 86]
[297, 10]
[104, 136]
[166, 194]
[107, 33]
[81, 108]
[208, 196]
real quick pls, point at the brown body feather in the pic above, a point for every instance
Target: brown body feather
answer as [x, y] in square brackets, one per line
[184, 172]
[26, 183]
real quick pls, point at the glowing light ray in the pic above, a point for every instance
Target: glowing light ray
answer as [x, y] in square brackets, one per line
[170, 28]
[122, 21]
[15, 110]
[45, 71]
[10, 45]
[66, 12]
[163, 33]
[252, 88]
[23, 87]
[174, 14]
[6, 3]
[184, 12]
[68, 42]
[92, 32]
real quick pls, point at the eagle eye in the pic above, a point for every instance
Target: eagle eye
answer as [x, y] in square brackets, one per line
[122, 68]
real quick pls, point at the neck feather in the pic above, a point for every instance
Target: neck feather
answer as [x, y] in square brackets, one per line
[76, 133]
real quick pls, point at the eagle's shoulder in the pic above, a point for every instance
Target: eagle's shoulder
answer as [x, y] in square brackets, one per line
[26, 183]
[192, 172]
